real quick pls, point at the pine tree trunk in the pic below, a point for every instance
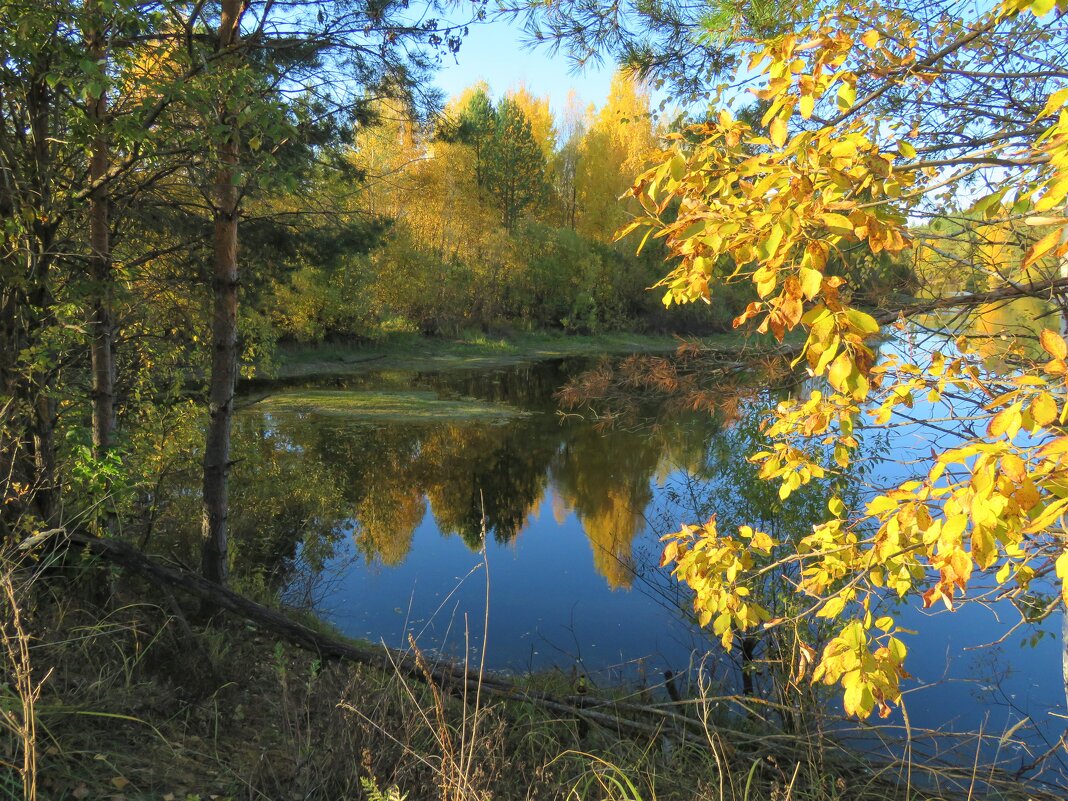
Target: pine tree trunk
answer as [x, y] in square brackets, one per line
[214, 557]
[40, 254]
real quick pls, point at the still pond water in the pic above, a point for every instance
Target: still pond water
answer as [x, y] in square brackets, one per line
[402, 473]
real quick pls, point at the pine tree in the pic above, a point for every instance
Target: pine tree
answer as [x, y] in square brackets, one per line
[515, 164]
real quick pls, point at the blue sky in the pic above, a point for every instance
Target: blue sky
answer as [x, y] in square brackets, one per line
[494, 52]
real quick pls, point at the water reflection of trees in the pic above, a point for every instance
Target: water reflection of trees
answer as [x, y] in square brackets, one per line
[718, 480]
[496, 470]
[305, 480]
[603, 477]
[282, 499]
[302, 483]
[476, 475]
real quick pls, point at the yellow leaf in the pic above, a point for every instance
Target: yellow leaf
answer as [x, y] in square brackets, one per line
[1013, 467]
[767, 248]
[670, 553]
[811, 281]
[897, 649]
[1003, 573]
[1062, 573]
[622, 232]
[827, 355]
[837, 223]
[1047, 516]
[1042, 247]
[1044, 409]
[677, 166]
[999, 423]
[1056, 100]
[833, 607]
[1051, 198]
[816, 255]
[778, 131]
[1053, 343]
[840, 370]
[806, 106]
[1056, 447]
[847, 96]
[871, 38]
[1061, 565]
[864, 323]
[1015, 421]
[851, 700]
[762, 542]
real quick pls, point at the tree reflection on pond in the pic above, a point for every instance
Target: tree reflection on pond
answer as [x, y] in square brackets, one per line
[470, 475]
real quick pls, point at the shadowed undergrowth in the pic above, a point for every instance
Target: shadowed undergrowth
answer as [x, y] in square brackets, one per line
[138, 702]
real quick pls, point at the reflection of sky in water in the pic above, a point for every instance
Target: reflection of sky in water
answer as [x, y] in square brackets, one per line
[562, 592]
[547, 605]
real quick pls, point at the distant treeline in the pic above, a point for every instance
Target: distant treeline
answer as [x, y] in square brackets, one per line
[494, 215]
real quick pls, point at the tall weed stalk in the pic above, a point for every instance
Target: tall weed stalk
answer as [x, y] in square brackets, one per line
[20, 690]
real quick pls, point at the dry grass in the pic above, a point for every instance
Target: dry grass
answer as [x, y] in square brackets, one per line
[19, 695]
[140, 704]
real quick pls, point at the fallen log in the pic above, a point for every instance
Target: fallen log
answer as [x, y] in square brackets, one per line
[605, 713]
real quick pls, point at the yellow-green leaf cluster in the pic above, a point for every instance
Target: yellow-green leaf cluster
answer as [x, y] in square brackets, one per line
[772, 205]
[715, 568]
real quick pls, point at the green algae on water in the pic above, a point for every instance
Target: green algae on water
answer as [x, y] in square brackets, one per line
[389, 406]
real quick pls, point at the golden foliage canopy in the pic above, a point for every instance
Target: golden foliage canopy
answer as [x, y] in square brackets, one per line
[859, 140]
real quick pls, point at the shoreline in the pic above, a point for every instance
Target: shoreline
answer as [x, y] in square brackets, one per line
[294, 363]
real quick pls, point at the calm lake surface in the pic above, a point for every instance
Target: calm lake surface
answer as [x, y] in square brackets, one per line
[394, 477]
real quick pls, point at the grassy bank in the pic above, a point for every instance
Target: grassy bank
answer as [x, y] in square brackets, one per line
[475, 351]
[138, 701]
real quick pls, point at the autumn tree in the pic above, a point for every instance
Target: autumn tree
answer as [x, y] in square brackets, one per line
[565, 161]
[876, 117]
[388, 149]
[614, 148]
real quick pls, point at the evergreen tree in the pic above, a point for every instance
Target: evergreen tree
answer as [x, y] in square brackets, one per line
[515, 164]
[478, 123]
